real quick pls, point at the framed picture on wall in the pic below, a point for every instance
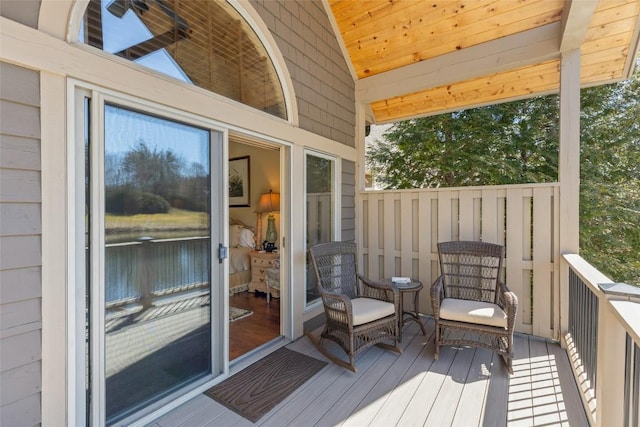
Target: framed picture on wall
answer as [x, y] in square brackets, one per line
[239, 182]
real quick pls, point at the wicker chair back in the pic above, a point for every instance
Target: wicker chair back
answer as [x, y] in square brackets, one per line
[336, 267]
[471, 270]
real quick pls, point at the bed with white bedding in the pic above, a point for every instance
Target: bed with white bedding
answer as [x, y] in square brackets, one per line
[239, 269]
[241, 242]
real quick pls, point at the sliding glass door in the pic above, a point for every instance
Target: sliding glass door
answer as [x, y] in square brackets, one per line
[320, 193]
[153, 187]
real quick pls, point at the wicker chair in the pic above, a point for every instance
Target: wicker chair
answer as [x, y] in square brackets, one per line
[359, 313]
[471, 305]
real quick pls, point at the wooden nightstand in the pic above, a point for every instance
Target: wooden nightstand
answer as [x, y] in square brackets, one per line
[260, 263]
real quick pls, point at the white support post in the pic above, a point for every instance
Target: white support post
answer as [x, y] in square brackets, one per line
[569, 171]
[610, 367]
[361, 110]
[58, 403]
[361, 122]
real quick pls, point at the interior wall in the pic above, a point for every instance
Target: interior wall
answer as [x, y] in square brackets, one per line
[264, 175]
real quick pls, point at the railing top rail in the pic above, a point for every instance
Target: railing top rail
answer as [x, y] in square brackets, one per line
[152, 240]
[622, 299]
[469, 188]
[620, 289]
[628, 314]
[590, 275]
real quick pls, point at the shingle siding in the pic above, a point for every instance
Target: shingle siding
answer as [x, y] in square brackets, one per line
[20, 247]
[324, 87]
[348, 200]
[24, 12]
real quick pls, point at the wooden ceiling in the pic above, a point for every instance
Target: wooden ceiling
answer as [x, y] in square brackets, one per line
[413, 58]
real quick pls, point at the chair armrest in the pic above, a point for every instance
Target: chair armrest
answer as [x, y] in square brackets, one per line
[337, 307]
[377, 290]
[508, 301]
[437, 294]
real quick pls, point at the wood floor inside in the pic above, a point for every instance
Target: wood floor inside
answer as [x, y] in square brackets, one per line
[253, 331]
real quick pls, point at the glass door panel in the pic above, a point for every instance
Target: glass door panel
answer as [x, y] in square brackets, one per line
[320, 210]
[157, 258]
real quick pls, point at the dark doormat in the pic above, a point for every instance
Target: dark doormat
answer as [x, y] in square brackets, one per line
[256, 390]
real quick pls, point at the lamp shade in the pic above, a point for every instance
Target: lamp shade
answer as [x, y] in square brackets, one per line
[269, 202]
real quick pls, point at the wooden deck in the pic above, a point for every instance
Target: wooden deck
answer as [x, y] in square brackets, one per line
[465, 387]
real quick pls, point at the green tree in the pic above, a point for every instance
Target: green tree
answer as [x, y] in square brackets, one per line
[610, 179]
[518, 143]
[499, 144]
[151, 170]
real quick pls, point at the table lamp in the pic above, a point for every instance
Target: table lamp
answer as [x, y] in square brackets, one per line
[269, 202]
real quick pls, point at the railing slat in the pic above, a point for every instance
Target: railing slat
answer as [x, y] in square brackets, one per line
[374, 236]
[514, 272]
[445, 219]
[467, 215]
[542, 253]
[490, 217]
[389, 223]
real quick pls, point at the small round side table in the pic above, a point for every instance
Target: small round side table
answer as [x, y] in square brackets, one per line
[414, 286]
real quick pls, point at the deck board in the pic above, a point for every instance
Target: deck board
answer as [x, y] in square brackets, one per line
[465, 387]
[371, 404]
[472, 399]
[357, 393]
[397, 400]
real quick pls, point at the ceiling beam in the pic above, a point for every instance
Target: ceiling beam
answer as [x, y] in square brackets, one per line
[576, 16]
[524, 48]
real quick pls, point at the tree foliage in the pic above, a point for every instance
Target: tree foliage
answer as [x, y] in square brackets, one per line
[152, 170]
[517, 142]
[149, 180]
[499, 144]
[610, 179]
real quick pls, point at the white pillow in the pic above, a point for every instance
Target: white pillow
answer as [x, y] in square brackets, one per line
[234, 235]
[247, 238]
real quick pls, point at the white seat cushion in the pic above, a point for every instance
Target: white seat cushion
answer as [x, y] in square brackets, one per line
[478, 312]
[366, 310]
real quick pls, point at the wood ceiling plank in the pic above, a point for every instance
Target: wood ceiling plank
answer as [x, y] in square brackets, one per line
[613, 65]
[607, 13]
[598, 45]
[412, 16]
[599, 73]
[545, 78]
[368, 62]
[606, 30]
[391, 35]
[472, 21]
[513, 52]
[616, 52]
[362, 15]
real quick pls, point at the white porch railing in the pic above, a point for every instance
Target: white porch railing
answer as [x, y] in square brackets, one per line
[603, 342]
[400, 230]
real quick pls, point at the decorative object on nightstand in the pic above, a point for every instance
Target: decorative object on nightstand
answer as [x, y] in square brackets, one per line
[272, 280]
[260, 263]
[269, 202]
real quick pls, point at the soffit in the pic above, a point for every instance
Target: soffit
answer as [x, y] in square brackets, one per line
[413, 58]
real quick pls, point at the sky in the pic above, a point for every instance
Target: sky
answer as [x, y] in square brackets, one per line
[121, 33]
[124, 129]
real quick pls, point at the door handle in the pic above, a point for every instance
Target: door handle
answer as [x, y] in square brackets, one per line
[223, 252]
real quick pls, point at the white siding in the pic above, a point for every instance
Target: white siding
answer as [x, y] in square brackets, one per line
[20, 247]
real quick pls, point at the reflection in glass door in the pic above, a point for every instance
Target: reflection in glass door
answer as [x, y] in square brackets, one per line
[320, 210]
[156, 251]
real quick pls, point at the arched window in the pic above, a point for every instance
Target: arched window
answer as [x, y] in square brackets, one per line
[203, 42]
